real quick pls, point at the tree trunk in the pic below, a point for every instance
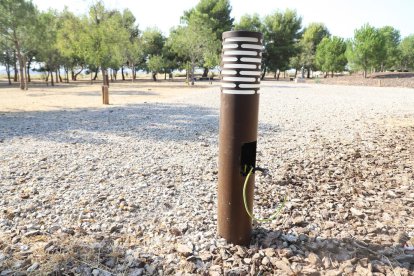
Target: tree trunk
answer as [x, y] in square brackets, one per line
[28, 69]
[154, 76]
[72, 73]
[165, 74]
[28, 74]
[22, 73]
[264, 73]
[26, 87]
[96, 73]
[47, 77]
[105, 77]
[15, 66]
[278, 75]
[76, 75]
[308, 73]
[332, 74]
[115, 74]
[8, 72]
[51, 78]
[122, 73]
[274, 76]
[192, 72]
[112, 75]
[205, 72]
[187, 74]
[364, 74]
[21, 65]
[67, 74]
[325, 75]
[296, 72]
[60, 77]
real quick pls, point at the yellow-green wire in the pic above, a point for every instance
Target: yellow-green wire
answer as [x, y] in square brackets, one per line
[275, 214]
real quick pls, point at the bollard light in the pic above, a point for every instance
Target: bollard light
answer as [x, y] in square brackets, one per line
[241, 69]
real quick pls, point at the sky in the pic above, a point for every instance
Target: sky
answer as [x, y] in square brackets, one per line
[341, 17]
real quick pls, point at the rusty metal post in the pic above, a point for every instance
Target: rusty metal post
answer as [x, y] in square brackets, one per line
[241, 69]
[105, 94]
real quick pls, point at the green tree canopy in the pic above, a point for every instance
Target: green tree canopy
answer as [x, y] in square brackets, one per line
[281, 33]
[150, 47]
[105, 39]
[46, 32]
[312, 36]
[214, 15]
[132, 52]
[152, 42]
[129, 23]
[156, 64]
[392, 39]
[70, 41]
[330, 54]
[366, 51]
[172, 61]
[407, 52]
[251, 23]
[17, 25]
[111, 39]
[194, 43]
[6, 55]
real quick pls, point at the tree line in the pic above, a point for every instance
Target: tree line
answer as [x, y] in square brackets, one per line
[288, 45]
[109, 41]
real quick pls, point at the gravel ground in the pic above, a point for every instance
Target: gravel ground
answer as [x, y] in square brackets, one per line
[130, 189]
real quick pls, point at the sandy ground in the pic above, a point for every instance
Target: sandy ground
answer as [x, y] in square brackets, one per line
[40, 97]
[82, 94]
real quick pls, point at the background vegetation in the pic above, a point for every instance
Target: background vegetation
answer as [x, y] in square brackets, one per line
[109, 41]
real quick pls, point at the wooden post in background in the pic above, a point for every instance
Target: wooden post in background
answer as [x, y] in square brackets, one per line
[105, 94]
